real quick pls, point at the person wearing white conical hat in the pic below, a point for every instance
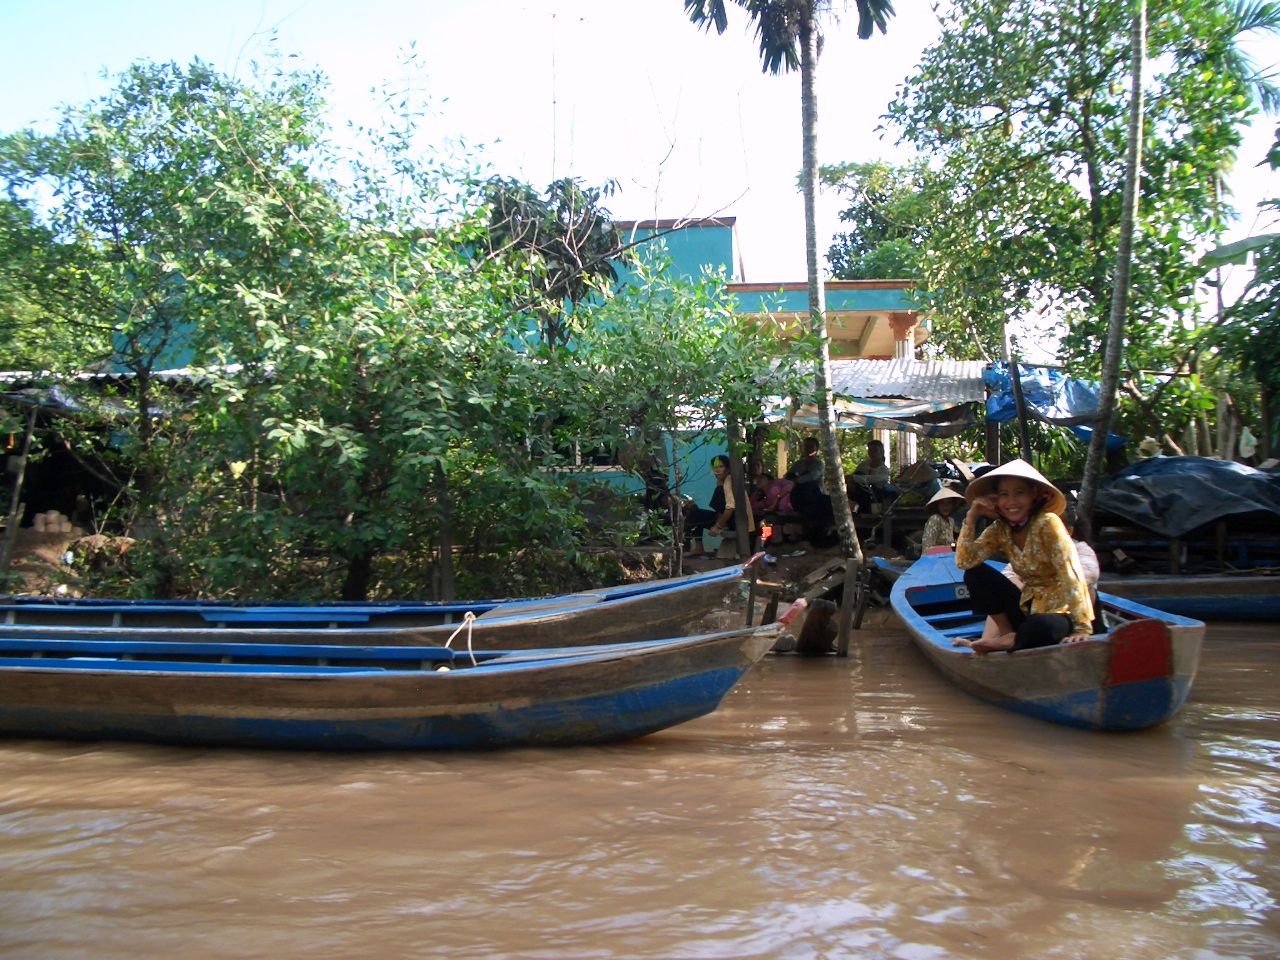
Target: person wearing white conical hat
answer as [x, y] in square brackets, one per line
[1053, 605]
[940, 528]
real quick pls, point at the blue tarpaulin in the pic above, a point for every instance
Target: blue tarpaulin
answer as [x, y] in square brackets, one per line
[1049, 395]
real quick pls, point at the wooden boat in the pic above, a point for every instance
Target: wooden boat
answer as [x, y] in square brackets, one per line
[1228, 596]
[657, 608]
[358, 698]
[1135, 675]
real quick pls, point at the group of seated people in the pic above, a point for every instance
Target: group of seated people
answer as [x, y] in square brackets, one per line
[799, 496]
[1044, 596]
[799, 492]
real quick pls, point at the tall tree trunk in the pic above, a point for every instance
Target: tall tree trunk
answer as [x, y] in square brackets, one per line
[1019, 400]
[444, 505]
[1097, 458]
[834, 476]
[1265, 442]
[737, 482]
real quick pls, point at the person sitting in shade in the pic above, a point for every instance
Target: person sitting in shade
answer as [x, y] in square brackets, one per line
[940, 529]
[721, 516]
[758, 483]
[807, 496]
[1053, 605]
[869, 481]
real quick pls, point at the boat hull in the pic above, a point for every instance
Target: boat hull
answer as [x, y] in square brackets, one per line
[225, 698]
[667, 608]
[1204, 597]
[1136, 675]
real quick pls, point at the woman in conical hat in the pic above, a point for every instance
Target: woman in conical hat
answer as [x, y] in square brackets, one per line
[940, 528]
[1053, 605]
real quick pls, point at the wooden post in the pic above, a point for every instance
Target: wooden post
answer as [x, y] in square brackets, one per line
[15, 498]
[1019, 402]
[737, 482]
[848, 603]
[991, 437]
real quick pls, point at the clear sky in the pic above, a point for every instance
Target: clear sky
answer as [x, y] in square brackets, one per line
[686, 122]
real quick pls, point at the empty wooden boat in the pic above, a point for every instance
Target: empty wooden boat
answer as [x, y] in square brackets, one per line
[358, 698]
[1208, 596]
[657, 608]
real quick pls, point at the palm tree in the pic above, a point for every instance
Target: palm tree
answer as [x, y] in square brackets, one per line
[1251, 17]
[1120, 290]
[789, 38]
[1242, 17]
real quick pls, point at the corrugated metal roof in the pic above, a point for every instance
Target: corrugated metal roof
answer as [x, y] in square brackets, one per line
[958, 381]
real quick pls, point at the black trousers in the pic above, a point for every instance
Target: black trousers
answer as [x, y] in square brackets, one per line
[992, 593]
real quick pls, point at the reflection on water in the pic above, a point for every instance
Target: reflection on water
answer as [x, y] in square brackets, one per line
[858, 808]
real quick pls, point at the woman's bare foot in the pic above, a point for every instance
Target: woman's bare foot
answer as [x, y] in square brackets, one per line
[993, 644]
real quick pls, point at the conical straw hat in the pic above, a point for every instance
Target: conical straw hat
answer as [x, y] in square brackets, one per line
[946, 493]
[986, 484]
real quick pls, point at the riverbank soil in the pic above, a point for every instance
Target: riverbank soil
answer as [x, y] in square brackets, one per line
[37, 561]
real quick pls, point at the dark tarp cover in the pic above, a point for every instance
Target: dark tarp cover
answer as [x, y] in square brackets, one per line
[1174, 495]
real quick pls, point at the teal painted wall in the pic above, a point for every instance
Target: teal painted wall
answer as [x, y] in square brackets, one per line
[693, 451]
[691, 248]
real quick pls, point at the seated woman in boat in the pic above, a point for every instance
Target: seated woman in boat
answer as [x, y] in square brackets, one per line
[1089, 566]
[1053, 604]
[940, 528]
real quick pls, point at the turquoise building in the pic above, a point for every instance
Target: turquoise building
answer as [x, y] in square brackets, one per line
[866, 319]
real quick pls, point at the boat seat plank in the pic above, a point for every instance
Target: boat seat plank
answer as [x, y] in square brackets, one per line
[181, 666]
[948, 615]
[240, 617]
[260, 651]
[962, 629]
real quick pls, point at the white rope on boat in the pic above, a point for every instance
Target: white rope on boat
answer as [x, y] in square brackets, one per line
[468, 619]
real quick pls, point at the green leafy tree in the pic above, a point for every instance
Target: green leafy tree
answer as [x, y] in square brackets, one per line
[374, 412]
[1250, 331]
[35, 339]
[566, 241]
[1024, 103]
[673, 359]
[789, 38]
[172, 208]
[885, 217]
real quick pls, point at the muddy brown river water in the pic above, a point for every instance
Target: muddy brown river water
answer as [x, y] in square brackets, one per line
[831, 808]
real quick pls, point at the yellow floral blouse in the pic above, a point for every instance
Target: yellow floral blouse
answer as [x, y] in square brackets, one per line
[1048, 565]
